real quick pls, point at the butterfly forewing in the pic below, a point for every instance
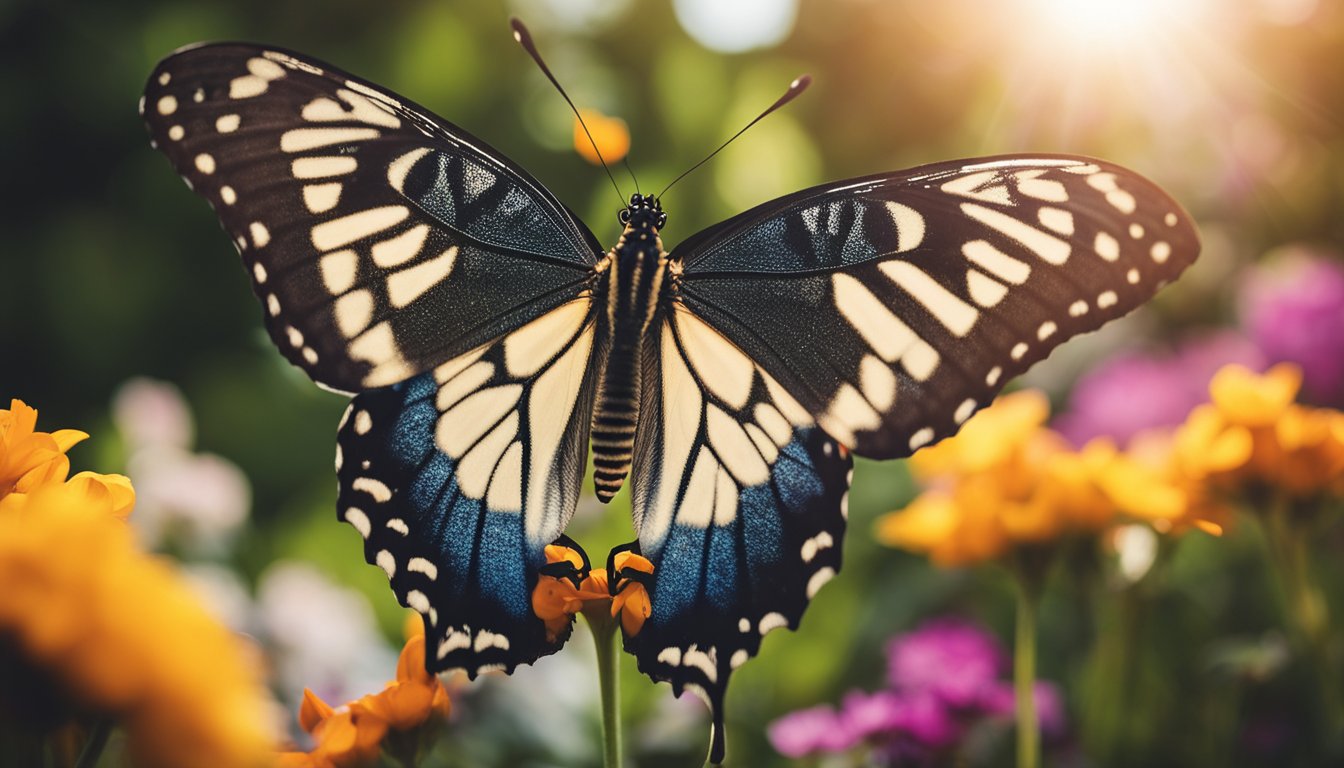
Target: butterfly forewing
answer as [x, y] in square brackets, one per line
[458, 478]
[380, 239]
[893, 307]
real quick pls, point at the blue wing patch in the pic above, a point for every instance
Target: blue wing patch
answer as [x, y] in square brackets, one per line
[742, 518]
[457, 479]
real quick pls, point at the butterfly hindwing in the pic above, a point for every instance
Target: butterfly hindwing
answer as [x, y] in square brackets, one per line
[459, 477]
[739, 502]
[893, 307]
[380, 239]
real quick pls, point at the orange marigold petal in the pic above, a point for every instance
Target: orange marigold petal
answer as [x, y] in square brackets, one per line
[633, 606]
[313, 710]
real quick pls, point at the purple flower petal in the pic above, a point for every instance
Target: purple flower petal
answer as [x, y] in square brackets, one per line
[1293, 306]
[951, 659]
[1132, 392]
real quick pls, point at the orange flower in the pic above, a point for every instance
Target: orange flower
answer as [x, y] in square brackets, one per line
[121, 632]
[352, 735]
[555, 600]
[609, 133]
[29, 459]
[347, 737]
[631, 602]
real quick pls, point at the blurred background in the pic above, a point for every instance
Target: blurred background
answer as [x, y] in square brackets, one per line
[124, 312]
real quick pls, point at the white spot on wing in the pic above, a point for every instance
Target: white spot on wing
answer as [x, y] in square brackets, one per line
[955, 315]
[322, 167]
[909, 226]
[260, 235]
[336, 233]
[819, 580]
[320, 198]
[770, 622]
[304, 139]
[1046, 246]
[1107, 247]
[356, 517]
[921, 438]
[410, 284]
[996, 262]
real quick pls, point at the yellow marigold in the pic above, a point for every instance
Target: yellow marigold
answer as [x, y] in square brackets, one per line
[1252, 435]
[1006, 481]
[28, 458]
[121, 632]
[1003, 437]
[609, 133]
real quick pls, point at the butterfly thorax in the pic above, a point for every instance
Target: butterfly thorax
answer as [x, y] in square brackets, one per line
[632, 279]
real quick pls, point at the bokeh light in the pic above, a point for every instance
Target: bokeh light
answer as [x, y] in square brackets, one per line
[732, 27]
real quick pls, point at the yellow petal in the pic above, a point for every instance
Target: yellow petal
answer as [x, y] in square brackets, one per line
[1255, 400]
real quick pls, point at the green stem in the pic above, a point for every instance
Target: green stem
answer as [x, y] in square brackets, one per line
[93, 748]
[603, 627]
[1290, 544]
[1024, 676]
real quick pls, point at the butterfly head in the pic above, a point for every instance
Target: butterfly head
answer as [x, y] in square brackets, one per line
[643, 211]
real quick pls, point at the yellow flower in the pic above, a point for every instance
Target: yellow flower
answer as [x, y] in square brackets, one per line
[609, 133]
[1005, 481]
[1252, 436]
[29, 459]
[1000, 437]
[121, 633]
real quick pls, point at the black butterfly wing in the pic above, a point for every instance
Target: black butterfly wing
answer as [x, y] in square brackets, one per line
[390, 247]
[459, 477]
[876, 315]
[739, 501]
[381, 239]
[893, 307]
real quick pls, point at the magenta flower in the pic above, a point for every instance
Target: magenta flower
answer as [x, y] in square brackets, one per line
[949, 658]
[819, 729]
[1293, 306]
[918, 716]
[1133, 392]
[946, 678]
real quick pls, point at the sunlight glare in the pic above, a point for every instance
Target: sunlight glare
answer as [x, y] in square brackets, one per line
[1113, 23]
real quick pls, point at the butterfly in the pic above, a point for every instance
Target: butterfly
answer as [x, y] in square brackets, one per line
[491, 342]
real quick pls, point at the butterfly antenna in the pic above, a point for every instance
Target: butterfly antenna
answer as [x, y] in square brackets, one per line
[631, 171]
[524, 39]
[795, 88]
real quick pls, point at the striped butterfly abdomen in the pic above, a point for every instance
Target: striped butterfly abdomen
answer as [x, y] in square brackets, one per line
[634, 281]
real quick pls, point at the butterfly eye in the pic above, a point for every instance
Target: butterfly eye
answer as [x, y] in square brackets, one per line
[624, 216]
[662, 219]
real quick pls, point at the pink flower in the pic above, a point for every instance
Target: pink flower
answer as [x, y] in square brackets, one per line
[1293, 306]
[819, 729]
[1136, 391]
[949, 658]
